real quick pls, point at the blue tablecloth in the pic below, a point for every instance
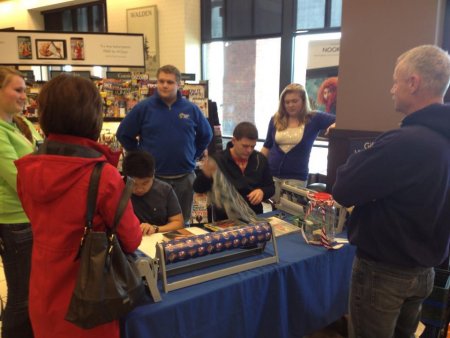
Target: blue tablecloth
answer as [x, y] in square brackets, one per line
[306, 291]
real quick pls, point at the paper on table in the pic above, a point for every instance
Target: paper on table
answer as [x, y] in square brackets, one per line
[281, 227]
[148, 244]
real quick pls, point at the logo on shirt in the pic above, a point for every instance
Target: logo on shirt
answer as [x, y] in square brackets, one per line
[183, 116]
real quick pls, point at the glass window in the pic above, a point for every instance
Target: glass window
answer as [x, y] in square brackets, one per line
[336, 13]
[268, 16]
[238, 18]
[67, 21]
[310, 14]
[82, 19]
[318, 159]
[96, 17]
[244, 81]
[216, 19]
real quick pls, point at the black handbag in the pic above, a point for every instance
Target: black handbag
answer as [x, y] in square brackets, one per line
[108, 284]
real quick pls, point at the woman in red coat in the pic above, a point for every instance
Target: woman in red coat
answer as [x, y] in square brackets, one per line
[53, 185]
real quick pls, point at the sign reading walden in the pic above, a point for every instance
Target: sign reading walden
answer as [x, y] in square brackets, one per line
[76, 49]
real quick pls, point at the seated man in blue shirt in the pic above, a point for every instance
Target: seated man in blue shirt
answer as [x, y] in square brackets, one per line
[154, 201]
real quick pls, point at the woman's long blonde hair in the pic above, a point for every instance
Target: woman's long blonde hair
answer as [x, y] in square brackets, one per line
[5, 76]
[280, 118]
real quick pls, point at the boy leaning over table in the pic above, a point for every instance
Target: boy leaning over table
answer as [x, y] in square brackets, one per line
[154, 201]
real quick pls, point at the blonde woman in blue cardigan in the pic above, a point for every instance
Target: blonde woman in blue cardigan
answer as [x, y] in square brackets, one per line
[17, 138]
[290, 137]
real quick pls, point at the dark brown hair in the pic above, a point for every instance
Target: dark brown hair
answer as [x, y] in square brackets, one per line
[70, 105]
[247, 130]
[5, 76]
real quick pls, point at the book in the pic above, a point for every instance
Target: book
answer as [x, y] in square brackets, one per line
[199, 214]
[195, 91]
[281, 227]
[202, 104]
[178, 233]
[224, 224]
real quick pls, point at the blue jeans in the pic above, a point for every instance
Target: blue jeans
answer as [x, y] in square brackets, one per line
[386, 300]
[183, 187]
[15, 249]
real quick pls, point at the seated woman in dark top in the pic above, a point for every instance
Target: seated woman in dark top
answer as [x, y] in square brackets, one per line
[154, 201]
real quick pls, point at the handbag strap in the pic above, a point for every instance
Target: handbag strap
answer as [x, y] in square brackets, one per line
[91, 202]
[123, 202]
[92, 194]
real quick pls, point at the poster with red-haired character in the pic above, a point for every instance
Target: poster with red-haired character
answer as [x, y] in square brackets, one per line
[327, 94]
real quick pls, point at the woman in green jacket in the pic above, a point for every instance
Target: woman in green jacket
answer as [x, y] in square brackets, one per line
[17, 138]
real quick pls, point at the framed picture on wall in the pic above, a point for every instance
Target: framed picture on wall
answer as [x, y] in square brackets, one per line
[24, 47]
[77, 48]
[51, 49]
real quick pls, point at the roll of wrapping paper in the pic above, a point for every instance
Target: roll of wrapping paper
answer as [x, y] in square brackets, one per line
[196, 246]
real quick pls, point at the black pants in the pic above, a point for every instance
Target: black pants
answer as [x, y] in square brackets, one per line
[15, 249]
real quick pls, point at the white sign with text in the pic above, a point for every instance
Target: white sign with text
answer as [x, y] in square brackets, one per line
[323, 53]
[42, 48]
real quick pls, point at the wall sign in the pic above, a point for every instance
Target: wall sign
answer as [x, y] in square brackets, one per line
[85, 74]
[323, 53]
[86, 49]
[187, 76]
[145, 20]
[119, 75]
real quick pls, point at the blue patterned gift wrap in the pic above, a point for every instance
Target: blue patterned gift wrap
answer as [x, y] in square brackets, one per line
[201, 245]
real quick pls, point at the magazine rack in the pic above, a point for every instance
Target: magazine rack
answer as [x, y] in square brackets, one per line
[209, 252]
[294, 198]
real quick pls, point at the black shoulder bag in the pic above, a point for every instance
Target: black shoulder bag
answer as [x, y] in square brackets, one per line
[108, 284]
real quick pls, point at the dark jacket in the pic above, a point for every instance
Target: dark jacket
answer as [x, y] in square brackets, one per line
[400, 190]
[256, 175]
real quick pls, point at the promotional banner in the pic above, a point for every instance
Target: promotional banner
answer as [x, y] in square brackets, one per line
[323, 53]
[76, 49]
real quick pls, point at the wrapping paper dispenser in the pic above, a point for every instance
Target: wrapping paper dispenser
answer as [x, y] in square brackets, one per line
[219, 245]
[201, 245]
